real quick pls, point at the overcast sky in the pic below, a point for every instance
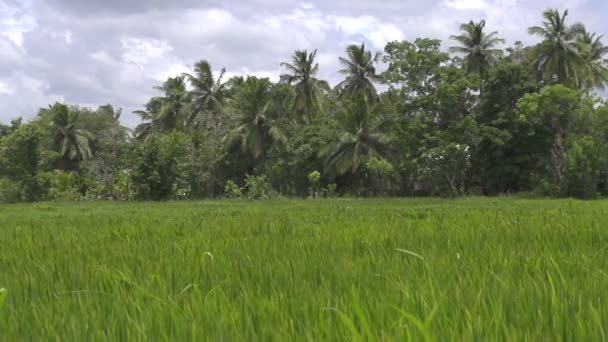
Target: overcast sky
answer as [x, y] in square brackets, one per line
[93, 52]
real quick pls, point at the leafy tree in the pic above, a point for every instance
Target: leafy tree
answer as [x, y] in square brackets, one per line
[104, 170]
[412, 70]
[504, 157]
[22, 162]
[550, 115]
[198, 165]
[307, 88]
[446, 167]
[155, 166]
[290, 164]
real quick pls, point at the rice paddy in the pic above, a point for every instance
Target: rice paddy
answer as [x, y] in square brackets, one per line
[330, 270]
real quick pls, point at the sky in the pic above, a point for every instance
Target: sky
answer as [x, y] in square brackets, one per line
[95, 52]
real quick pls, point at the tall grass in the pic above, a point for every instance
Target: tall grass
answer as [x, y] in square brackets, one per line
[473, 269]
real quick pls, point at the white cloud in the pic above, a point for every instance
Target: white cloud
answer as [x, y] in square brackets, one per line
[6, 89]
[370, 28]
[102, 57]
[464, 5]
[141, 51]
[385, 33]
[355, 25]
[174, 69]
[14, 24]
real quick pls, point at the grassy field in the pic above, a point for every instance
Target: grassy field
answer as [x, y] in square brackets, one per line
[471, 269]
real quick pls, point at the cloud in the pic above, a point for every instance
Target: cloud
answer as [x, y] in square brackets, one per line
[6, 89]
[114, 51]
[462, 5]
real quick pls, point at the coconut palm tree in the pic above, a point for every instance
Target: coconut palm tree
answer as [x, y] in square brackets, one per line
[478, 47]
[151, 125]
[256, 129]
[594, 70]
[307, 89]
[71, 142]
[557, 56]
[360, 74]
[359, 139]
[174, 105]
[166, 113]
[207, 96]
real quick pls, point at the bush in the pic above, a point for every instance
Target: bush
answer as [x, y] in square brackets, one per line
[314, 181]
[9, 191]
[584, 163]
[65, 186]
[330, 191]
[232, 190]
[446, 167]
[257, 188]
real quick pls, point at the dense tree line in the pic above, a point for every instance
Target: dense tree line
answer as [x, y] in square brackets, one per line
[476, 120]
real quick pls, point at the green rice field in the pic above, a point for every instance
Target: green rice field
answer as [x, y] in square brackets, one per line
[331, 270]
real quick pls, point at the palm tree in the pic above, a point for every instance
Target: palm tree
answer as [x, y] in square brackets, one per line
[360, 139]
[360, 74]
[151, 125]
[594, 70]
[302, 72]
[557, 57]
[256, 128]
[166, 113]
[72, 143]
[207, 96]
[478, 47]
[174, 105]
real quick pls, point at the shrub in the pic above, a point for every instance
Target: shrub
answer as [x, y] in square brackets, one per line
[331, 190]
[65, 186]
[257, 188]
[314, 181]
[232, 190]
[9, 191]
[446, 168]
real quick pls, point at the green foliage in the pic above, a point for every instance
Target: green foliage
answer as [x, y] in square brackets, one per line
[10, 191]
[155, 166]
[257, 127]
[21, 163]
[584, 164]
[412, 66]
[446, 168]
[232, 190]
[549, 116]
[478, 47]
[257, 188]
[65, 186]
[72, 143]
[360, 72]
[330, 191]
[307, 90]
[314, 181]
[382, 166]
